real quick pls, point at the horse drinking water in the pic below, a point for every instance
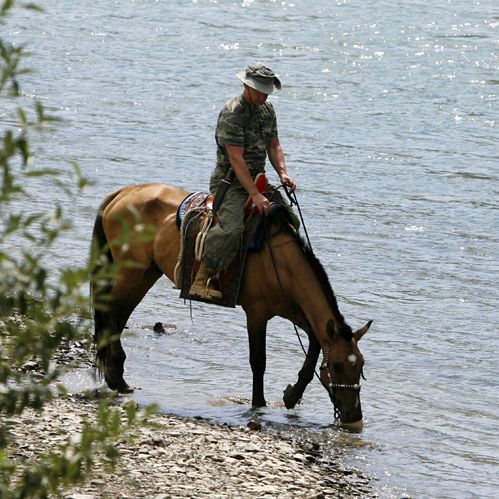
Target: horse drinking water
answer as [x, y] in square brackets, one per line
[283, 279]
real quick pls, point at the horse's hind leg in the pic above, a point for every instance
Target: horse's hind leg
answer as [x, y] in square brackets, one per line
[294, 393]
[114, 354]
[110, 354]
[120, 310]
[114, 368]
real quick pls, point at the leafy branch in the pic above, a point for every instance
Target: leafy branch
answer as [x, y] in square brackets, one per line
[41, 311]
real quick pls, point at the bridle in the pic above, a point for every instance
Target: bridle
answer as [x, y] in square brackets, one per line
[331, 387]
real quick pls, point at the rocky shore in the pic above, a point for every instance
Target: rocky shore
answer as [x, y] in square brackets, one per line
[181, 458]
[175, 457]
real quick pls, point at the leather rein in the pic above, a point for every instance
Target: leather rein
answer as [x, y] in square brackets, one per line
[330, 386]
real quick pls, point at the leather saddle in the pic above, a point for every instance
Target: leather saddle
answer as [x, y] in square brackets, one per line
[194, 218]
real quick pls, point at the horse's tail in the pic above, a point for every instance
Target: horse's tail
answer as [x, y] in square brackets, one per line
[100, 286]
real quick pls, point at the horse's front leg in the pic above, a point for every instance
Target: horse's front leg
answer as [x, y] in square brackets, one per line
[257, 330]
[294, 393]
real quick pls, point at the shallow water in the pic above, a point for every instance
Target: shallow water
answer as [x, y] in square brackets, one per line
[388, 117]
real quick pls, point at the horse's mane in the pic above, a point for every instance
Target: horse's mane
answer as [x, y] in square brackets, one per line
[282, 223]
[344, 329]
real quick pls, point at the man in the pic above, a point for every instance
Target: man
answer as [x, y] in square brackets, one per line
[246, 133]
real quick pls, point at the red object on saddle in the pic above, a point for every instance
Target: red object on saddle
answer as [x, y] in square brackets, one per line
[262, 186]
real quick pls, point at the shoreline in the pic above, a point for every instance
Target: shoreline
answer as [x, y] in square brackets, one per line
[186, 458]
[180, 457]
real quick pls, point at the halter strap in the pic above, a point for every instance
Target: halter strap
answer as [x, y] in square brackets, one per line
[331, 387]
[355, 386]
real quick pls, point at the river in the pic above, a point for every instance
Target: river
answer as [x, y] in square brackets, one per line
[389, 119]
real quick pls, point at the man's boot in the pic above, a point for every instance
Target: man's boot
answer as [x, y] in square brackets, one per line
[202, 286]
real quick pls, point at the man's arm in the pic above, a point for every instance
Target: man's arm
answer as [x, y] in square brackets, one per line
[276, 157]
[238, 163]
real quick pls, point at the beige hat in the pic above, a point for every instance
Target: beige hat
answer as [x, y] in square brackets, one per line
[261, 78]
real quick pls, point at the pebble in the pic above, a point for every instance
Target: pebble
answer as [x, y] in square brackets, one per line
[182, 458]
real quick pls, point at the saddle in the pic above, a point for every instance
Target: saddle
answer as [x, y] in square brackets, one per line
[194, 218]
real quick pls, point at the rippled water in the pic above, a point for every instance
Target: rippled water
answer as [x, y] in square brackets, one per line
[389, 119]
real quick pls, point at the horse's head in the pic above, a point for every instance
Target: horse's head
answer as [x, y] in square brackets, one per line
[341, 371]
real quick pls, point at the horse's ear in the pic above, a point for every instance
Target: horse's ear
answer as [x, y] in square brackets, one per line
[362, 331]
[330, 328]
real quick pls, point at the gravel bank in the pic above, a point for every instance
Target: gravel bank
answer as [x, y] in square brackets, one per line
[180, 458]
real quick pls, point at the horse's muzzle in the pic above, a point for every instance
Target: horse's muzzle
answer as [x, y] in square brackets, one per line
[351, 416]
[354, 427]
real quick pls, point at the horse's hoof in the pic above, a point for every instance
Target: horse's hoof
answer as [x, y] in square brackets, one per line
[290, 398]
[258, 404]
[119, 386]
[124, 388]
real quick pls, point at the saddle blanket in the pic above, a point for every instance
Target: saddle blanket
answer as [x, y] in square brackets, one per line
[193, 200]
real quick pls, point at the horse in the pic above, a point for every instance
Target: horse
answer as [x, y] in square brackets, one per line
[284, 278]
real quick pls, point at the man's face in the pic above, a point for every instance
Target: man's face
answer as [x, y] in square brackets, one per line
[257, 98]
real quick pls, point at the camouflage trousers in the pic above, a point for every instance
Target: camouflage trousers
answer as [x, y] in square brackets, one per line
[223, 240]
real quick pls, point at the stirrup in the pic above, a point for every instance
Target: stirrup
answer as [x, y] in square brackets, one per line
[216, 293]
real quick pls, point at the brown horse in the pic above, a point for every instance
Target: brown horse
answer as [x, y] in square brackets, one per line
[283, 279]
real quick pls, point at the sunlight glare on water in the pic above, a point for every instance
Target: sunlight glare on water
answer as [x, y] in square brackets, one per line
[388, 117]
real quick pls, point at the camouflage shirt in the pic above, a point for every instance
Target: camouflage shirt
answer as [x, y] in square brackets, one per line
[243, 124]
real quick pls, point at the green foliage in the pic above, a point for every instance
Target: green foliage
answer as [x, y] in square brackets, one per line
[40, 312]
[76, 457]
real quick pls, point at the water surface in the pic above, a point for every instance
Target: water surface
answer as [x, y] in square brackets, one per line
[388, 117]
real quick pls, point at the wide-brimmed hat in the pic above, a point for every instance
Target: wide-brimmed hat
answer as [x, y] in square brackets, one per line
[261, 78]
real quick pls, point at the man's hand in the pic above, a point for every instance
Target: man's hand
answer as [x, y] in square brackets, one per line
[288, 182]
[261, 202]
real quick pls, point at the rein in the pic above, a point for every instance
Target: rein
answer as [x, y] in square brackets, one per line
[294, 202]
[330, 386]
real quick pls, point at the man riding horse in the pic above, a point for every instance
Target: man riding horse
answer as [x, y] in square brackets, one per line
[283, 278]
[246, 133]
